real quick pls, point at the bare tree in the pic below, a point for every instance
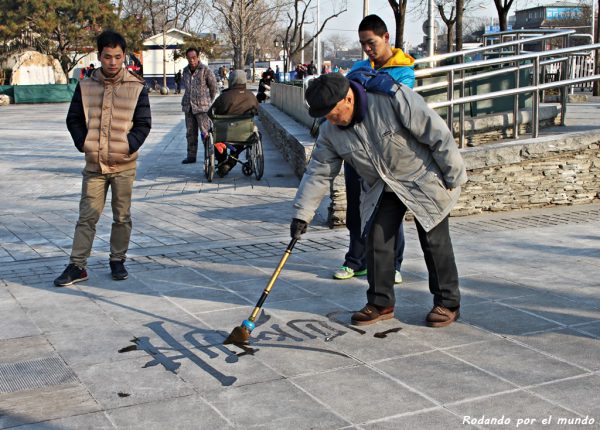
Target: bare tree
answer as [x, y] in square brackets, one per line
[460, 8]
[241, 19]
[447, 11]
[399, 9]
[297, 18]
[450, 15]
[503, 6]
[337, 42]
[163, 15]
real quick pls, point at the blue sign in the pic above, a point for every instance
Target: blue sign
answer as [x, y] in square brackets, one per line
[562, 12]
[495, 28]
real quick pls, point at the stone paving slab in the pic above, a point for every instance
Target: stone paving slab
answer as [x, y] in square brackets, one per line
[147, 352]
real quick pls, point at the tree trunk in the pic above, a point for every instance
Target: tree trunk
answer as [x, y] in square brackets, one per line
[503, 9]
[596, 91]
[450, 38]
[503, 19]
[399, 9]
[164, 58]
[460, 6]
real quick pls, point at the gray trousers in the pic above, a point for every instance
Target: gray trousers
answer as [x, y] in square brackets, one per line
[194, 123]
[94, 189]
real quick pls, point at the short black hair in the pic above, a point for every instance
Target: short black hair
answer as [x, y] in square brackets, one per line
[373, 23]
[187, 51]
[110, 39]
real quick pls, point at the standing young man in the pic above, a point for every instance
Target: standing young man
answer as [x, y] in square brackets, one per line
[109, 119]
[407, 159]
[200, 90]
[375, 41]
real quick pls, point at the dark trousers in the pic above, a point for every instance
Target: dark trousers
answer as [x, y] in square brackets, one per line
[356, 257]
[222, 157]
[436, 246]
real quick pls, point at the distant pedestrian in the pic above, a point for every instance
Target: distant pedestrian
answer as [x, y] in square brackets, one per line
[311, 69]
[178, 82]
[200, 90]
[109, 119]
[89, 71]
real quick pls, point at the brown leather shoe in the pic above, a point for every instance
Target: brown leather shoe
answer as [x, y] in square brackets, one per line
[440, 316]
[371, 314]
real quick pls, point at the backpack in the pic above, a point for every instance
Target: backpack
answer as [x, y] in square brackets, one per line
[373, 81]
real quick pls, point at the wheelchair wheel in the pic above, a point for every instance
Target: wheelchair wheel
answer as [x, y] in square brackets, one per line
[247, 166]
[209, 157]
[258, 159]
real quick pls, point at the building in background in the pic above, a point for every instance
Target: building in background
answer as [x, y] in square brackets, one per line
[155, 49]
[554, 15]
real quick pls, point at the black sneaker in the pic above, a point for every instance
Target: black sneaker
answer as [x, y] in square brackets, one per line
[188, 160]
[118, 271]
[71, 275]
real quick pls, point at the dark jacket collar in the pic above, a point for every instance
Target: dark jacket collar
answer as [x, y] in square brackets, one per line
[360, 104]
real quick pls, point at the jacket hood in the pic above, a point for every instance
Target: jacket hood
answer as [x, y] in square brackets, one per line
[399, 59]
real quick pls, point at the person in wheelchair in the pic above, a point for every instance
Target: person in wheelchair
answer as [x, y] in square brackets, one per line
[235, 100]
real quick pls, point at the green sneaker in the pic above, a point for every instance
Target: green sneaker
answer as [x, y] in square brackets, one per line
[398, 277]
[361, 272]
[345, 272]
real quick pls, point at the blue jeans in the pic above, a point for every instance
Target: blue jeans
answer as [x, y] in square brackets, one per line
[356, 257]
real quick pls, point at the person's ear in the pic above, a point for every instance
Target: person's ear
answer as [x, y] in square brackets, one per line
[349, 95]
[386, 37]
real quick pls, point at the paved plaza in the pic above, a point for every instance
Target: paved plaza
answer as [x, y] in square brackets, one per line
[147, 353]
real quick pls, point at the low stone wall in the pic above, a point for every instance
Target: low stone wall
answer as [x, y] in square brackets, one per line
[292, 138]
[547, 171]
[530, 173]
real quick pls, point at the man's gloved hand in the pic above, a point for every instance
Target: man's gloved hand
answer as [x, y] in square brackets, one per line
[297, 228]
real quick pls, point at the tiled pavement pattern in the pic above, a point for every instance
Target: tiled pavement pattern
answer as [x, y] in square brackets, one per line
[146, 352]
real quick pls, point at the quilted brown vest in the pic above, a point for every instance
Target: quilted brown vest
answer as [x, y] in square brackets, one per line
[109, 105]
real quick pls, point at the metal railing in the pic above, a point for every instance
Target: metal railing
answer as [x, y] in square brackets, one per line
[510, 59]
[534, 36]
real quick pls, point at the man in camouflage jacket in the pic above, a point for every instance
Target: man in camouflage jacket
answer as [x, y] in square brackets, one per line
[200, 91]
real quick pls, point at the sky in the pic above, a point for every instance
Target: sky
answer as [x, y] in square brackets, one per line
[347, 23]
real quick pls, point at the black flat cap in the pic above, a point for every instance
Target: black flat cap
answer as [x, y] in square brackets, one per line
[324, 92]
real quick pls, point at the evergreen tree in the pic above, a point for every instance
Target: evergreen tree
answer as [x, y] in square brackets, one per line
[64, 29]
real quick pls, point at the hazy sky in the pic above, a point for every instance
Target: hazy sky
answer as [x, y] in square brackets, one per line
[347, 23]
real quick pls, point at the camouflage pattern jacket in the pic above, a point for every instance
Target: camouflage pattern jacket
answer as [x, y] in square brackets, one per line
[200, 89]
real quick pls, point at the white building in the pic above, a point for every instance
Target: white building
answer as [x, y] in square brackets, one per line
[152, 55]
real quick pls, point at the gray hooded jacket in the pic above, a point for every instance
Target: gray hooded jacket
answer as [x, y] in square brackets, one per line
[402, 146]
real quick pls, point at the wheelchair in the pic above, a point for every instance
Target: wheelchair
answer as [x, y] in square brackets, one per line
[236, 132]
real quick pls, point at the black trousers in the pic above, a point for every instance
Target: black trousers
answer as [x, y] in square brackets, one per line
[436, 246]
[356, 257]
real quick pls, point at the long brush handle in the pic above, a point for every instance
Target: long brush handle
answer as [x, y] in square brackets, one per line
[274, 277]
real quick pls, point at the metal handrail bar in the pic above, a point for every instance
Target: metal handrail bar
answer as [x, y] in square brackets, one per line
[517, 33]
[483, 63]
[512, 91]
[504, 70]
[435, 58]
